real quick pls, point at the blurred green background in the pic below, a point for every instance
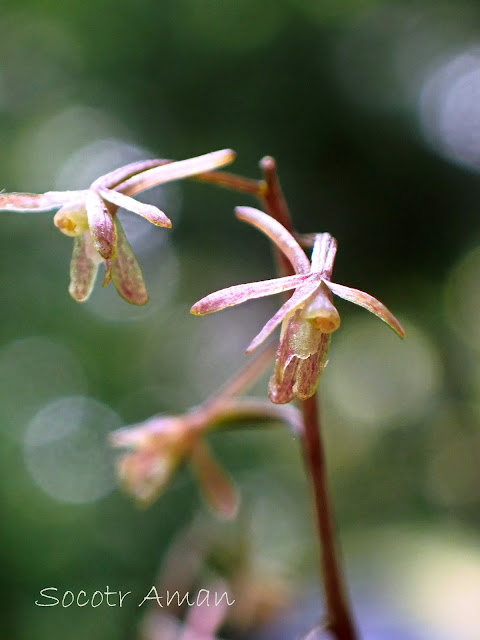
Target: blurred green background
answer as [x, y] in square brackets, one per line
[372, 110]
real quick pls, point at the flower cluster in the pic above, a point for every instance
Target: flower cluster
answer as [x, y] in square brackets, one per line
[308, 317]
[89, 217]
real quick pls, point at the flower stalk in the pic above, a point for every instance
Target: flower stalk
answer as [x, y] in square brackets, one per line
[338, 618]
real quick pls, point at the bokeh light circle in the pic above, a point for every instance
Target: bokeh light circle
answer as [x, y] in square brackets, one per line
[66, 449]
[34, 371]
[450, 107]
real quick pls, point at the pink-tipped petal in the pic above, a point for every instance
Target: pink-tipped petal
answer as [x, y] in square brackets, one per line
[323, 254]
[368, 302]
[278, 234]
[102, 227]
[37, 203]
[148, 211]
[115, 177]
[297, 299]
[242, 292]
[176, 171]
[83, 268]
[126, 272]
[216, 486]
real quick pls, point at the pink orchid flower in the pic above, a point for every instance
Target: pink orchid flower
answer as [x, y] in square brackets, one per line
[158, 447]
[89, 217]
[308, 317]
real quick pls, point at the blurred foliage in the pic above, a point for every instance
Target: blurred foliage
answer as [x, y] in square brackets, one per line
[371, 109]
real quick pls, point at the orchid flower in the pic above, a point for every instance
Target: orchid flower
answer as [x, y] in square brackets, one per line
[308, 317]
[157, 447]
[89, 217]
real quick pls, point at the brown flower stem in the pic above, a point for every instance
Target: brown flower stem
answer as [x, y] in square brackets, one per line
[276, 206]
[339, 620]
[232, 181]
[243, 379]
[274, 200]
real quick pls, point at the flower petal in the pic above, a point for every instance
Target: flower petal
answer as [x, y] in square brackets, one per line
[242, 292]
[298, 298]
[215, 485]
[83, 268]
[176, 170]
[126, 272]
[368, 302]
[278, 234]
[145, 474]
[323, 254]
[113, 178]
[102, 227]
[148, 211]
[37, 203]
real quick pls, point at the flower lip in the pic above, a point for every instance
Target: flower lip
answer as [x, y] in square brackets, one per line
[326, 324]
[71, 219]
[321, 312]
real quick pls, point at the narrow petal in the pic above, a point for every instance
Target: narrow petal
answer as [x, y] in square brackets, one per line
[148, 211]
[368, 302]
[83, 268]
[297, 299]
[278, 234]
[243, 292]
[113, 178]
[37, 203]
[126, 272]
[102, 227]
[215, 485]
[323, 254]
[176, 170]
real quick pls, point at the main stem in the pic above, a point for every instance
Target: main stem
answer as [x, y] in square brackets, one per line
[339, 619]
